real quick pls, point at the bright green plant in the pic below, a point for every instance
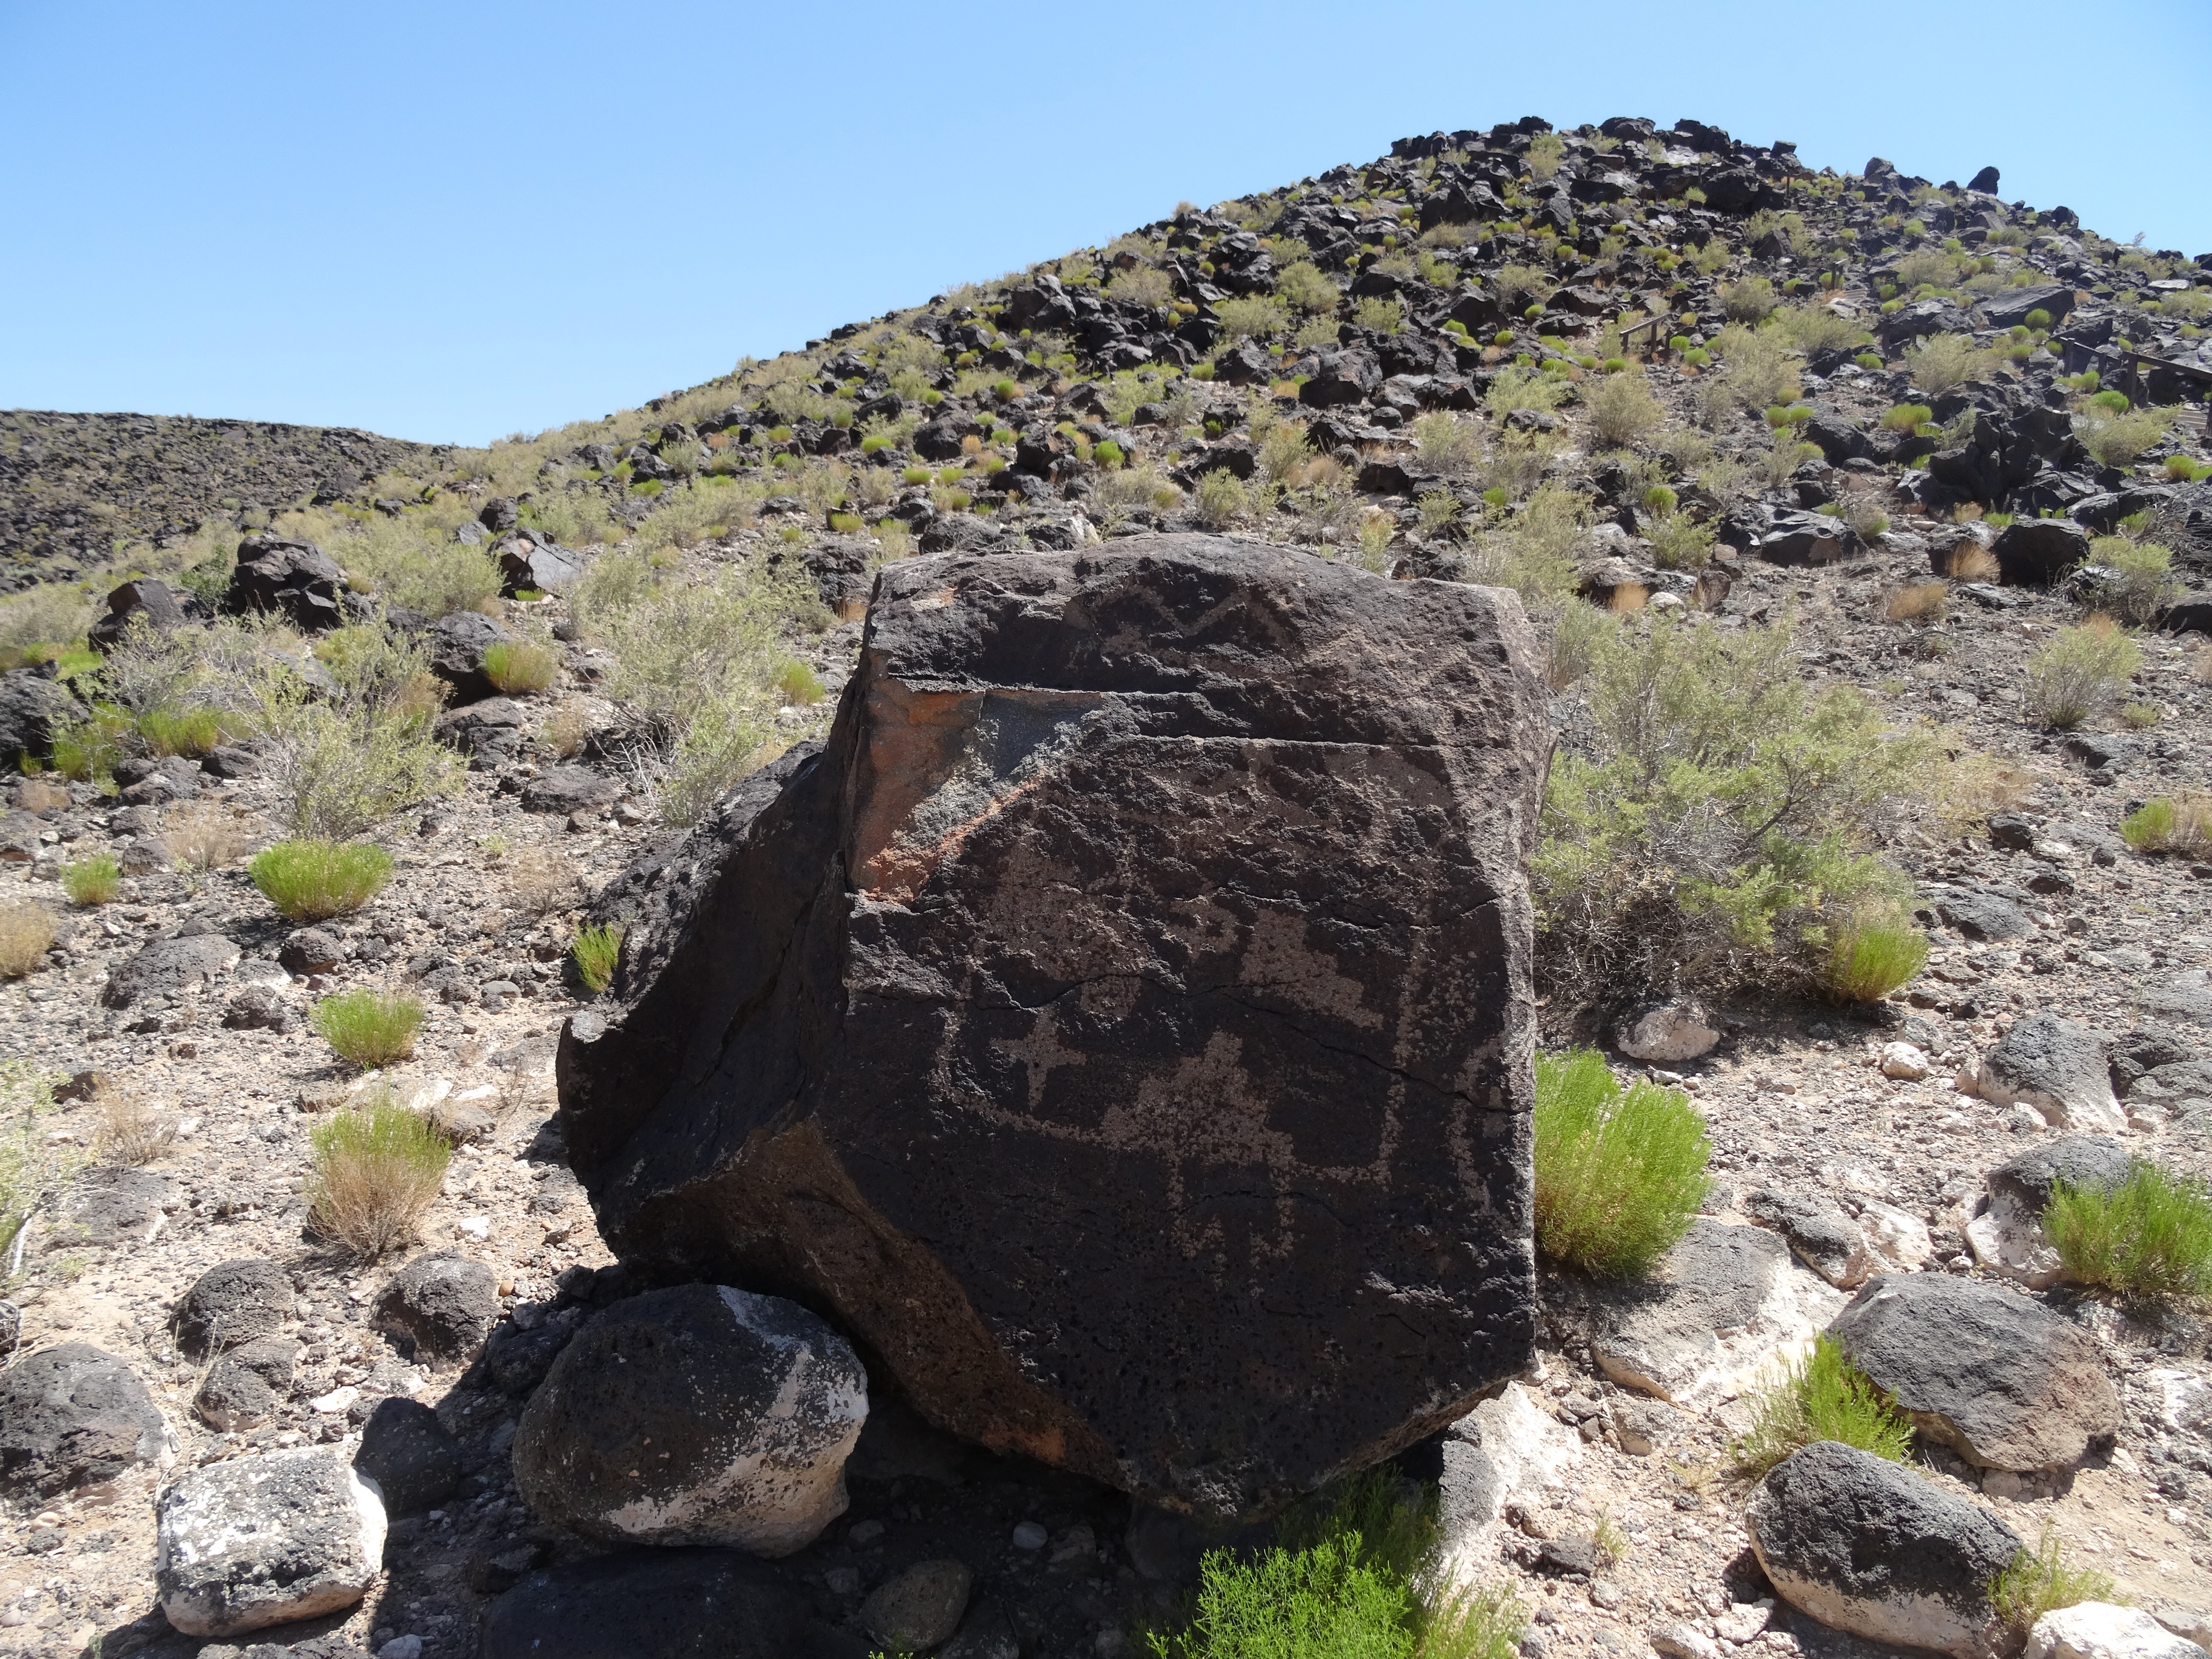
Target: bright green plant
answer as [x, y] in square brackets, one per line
[596, 949]
[2171, 824]
[519, 666]
[2150, 1235]
[2079, 671]
[1619, 1175]
[371, 1028]
[1874, 949]
[1353, 1575]
[1821, 1396]
[2041, 1580]
[94, 880]
[313, 880]
[188, 732]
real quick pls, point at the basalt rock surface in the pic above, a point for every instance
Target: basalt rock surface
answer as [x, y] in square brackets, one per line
[1121, 1027]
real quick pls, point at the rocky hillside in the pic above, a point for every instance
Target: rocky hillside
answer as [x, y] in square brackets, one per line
[78, 492]
[1921, 471]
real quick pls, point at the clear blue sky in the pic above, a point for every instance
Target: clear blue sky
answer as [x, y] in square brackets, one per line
[451, 222]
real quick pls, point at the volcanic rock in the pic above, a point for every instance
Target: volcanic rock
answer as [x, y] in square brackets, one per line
[1118, 1027]
[739, 1410]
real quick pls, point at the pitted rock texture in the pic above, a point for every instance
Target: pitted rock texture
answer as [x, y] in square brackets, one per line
[697, 1415]
[71, 1416]
[1991, 1373]
[1122, 1025]
[1865, 1545]
[263, 1541]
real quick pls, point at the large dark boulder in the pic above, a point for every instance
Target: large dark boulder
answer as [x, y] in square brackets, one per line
[1865, 1545]
[72, 1416]
[456, 645]
[1984, 1368]
[671, 1604]
[1118, 1028]
[156, 601]
[698, 1415]
[31, 706]
[294, 578]
[2040, 552]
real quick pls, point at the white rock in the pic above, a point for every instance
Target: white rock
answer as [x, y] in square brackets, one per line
[1745, 1620]
[1678, 1032]
[1507, 1447]
[2184, 1403]
[2098, 1629]
[477, 1227]
[2014, 1248]
[1899, 1239]
[336, 1401]
[1902, 1060]
[1681, 1641]
[263, 1541]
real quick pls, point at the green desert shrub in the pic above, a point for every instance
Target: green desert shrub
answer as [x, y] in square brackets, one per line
[370, 1029]
[1907, 418]
[1245, 316]
[1382, 316]
[313, 880]
[1222, 498]
[1679, 543]
[1533, 551]
[376, 1170]
[519, 666]
[1304, 287]
[414, 563]
[1759, 371]
[2142, 583]
[1944, 360]
[192, 733]
[1751, 300]
[1716, 830]
[596, 948]
[1352, 1575]
[94, 880]
[2080, 671]
[2042, 1580]
[2171, 824]
[1620, 1174]
[1874, 949]
[2149, 1234]
[1623, 410]
[1822, 1396]
[342, 764]
[2117, 437]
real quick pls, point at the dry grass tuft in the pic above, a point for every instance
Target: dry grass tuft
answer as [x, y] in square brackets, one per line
[544, 881]
[26, 933]
[204, 835]
[378, 1168]
[1970, 562]
[1926, 601]
[133, 1129]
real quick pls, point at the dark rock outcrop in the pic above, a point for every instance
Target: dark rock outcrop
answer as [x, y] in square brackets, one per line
[1120, 1029]
[295, 578]
[72, 1416]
